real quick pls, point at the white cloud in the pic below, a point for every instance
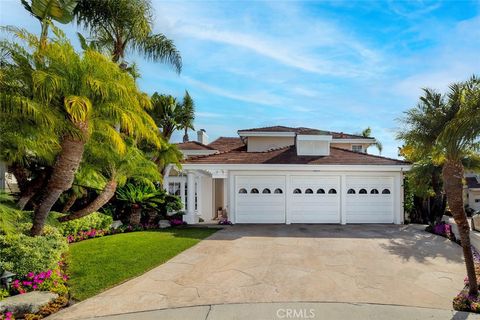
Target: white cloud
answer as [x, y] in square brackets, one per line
[264, 98]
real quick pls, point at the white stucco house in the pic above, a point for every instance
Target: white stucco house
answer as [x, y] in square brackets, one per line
[288, 175]
[472, 191]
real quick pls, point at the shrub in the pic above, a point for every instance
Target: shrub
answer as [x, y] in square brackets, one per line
[96, 221]
[21, 254]
[50, 280]
[4, 294]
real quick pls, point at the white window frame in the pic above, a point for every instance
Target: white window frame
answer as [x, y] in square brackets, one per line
[182, 180]
[355, 146]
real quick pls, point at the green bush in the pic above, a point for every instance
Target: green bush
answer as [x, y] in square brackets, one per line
[21, 253]
[98, 221]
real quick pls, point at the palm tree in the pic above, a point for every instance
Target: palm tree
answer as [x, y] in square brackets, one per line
[448, 128]
[116, 168]
[187, 115]
[367, 133]
[84, 93]
[47, 10]
[423, 127]
[457, 139]
[126, 25]
[166, 112]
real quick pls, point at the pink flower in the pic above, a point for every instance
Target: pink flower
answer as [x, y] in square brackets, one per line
[30, 274]
[35, 287]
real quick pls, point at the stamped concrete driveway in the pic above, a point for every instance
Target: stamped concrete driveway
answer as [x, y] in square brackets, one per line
[383, 264]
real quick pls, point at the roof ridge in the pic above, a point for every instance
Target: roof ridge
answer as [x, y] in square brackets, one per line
[196, 142]
[370, 155]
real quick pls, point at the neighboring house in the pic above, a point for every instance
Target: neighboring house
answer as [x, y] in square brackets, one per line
[472, 191]
[288, 175]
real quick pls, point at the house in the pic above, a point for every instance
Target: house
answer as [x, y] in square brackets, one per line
[288, 175]
[472, 191]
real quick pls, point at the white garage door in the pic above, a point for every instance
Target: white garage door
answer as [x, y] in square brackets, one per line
[260, 199]
[314, 199]
[369, 199]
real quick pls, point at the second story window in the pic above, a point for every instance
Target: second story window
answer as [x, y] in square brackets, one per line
[357, 148]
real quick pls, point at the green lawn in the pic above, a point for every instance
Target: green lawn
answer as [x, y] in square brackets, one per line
[98, 264]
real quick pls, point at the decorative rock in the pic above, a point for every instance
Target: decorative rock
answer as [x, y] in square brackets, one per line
[116, 224]
[162, 224]
[30, 302]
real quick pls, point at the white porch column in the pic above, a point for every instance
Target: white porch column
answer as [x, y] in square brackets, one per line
[190, 216]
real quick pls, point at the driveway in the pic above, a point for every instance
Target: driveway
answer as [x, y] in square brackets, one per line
[381, 264]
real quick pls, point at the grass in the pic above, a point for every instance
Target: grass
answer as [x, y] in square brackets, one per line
[100, 263]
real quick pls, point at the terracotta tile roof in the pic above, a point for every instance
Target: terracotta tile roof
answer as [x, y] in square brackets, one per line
[288, 155]
[193, 145]
[224, 144]
[472, 182]
[303, 130]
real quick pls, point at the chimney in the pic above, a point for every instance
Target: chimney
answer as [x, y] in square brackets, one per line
[202, 136]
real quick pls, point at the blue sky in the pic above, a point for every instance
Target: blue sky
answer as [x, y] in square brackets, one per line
[332, 65]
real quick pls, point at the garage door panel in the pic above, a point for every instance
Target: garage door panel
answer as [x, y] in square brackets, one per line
[314, 207]
[371, 201]
[260, 207]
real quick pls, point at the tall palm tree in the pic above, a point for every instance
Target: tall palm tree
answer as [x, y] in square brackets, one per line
[126, 25]
[458, 138]
[367, 133]
[187, 115]
[84, 93]
[449, 129]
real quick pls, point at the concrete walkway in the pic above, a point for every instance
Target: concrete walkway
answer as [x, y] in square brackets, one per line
[312, 310]
[379, 264]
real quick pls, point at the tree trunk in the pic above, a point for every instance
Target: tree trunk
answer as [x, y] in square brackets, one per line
[61, 179]
[105, 196]
[453, 183]
[21, 174]
[136, 214]
[71, 200]
[31, 189]
[437, 206]
[185, 136]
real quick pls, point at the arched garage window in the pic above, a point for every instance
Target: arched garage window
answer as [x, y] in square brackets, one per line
[278, 191]
[254, 190]
[309, 191]
[266, 190]
[243, 190]
[332, 191]
[297, 191]
[362, 191]
[320, 191]
[386, 191]
[374, 191]
[351, 191]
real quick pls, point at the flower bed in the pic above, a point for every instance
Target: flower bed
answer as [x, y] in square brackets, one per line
[7, 316]
[95, 233]
[442, 229]
[463, 301]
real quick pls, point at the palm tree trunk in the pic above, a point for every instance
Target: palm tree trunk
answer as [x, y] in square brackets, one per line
[61, 180]
[185, 136]
[31, 189]
[437, 207]
[105, 196]
[453, 184]
[71, 200]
